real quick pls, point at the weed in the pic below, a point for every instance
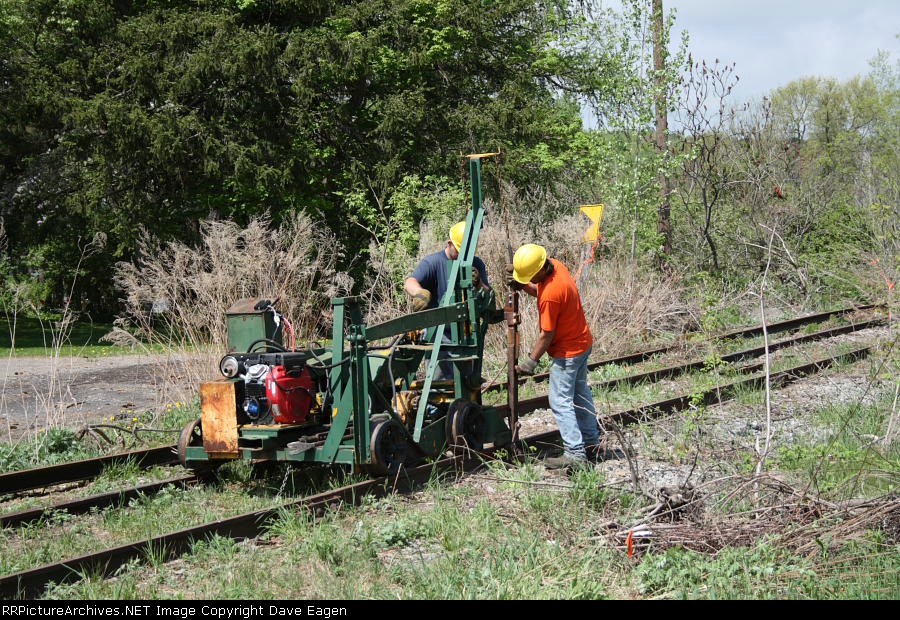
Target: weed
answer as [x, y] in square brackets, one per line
[734, 573]
[291, 525]
[587, 488]
[55, 445]
[401, 532]
[156, 554]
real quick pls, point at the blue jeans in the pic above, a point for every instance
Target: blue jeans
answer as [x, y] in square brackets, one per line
[573, 404]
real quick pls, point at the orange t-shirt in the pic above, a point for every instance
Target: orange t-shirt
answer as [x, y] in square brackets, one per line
[559, 305]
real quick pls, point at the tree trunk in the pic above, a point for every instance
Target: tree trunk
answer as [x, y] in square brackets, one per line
[663, 221]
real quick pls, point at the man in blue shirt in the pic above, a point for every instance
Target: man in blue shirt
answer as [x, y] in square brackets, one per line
[428, 282]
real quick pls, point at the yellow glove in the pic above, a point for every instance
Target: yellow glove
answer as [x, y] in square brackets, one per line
[421, 300]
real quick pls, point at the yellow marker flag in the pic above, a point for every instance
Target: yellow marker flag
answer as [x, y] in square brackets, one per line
[595, 214]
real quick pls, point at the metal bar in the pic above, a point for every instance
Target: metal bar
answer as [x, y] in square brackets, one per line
[339, 388]
[359, 377]
[38, 477]
[511, 314]
[417, 320]
[84, 504]
[640, 356]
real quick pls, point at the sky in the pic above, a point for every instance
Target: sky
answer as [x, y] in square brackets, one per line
[774, 42]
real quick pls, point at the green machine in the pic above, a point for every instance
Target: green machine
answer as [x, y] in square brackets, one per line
[371, 400]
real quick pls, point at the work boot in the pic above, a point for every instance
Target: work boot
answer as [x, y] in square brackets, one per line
[598, 453]
[595, 453]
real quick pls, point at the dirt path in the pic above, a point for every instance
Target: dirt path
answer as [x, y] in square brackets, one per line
[37, 392]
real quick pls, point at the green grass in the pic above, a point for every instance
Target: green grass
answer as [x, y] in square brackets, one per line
[850, 461]
[63, 535]
[455, 544]
[41, 336]
[124, 431]
[56, 445]
[527, 540]
[869, 569]
[35, 336]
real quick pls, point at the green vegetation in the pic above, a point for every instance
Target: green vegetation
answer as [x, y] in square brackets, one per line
[55, 445]
[169, 510]
[125, 431]
[159, 160]
[850, 460]
[524, 540]
[41, 334]
[859, 570]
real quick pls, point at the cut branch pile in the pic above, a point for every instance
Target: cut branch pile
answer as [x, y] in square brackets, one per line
[788, 517]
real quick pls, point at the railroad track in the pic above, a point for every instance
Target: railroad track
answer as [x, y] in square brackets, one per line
[250, 525]
[37, 478]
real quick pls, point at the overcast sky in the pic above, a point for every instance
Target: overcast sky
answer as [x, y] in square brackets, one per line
[776, 41]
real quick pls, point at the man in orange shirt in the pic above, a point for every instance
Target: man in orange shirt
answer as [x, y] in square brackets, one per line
[566, 337]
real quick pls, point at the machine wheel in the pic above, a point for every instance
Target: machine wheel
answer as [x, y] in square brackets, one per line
[191, 436]
[388, 448]
[465, 425]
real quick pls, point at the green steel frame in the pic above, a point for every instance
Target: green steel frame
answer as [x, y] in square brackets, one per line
[359, 397]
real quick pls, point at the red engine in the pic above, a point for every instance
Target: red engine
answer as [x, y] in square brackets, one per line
[289, 394]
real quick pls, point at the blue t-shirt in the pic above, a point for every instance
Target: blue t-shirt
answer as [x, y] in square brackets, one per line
[432, 273]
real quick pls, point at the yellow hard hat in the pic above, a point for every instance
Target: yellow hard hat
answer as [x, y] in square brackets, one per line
[456, 234]
[528, 260]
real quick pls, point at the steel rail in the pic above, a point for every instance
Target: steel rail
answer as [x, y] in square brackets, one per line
[102, 500]
[542, 402]
[749, 332]
[715, 395]
[75, 471]
[29, 583]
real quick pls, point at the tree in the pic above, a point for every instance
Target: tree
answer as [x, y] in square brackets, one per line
[629, 170]
[705, 118]
[124, 116]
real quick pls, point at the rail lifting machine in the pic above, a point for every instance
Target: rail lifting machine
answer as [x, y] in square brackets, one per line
[376, 407]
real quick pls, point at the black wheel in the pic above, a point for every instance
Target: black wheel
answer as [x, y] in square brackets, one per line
[465, 425]
[192, 436]
[388, 448]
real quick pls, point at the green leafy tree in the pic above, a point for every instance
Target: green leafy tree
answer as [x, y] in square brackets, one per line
[122, 115]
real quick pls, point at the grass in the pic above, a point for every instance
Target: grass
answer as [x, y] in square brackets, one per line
[523, 540]
[849, 461]
[125, 431]
[510, 533]
[62, 535]
[456, 545]
[55, 445]
[38, 336]
[114, 477]
[868, 569]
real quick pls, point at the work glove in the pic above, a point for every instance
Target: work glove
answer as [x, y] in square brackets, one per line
[527, 367]
[510, 281]
[421, 300]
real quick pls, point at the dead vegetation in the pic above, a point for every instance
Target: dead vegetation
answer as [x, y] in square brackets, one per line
[177, 296]
[748, 510]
